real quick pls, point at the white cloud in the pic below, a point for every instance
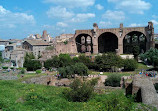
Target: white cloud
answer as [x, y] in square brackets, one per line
[155, 16]
[155, 22]
[103, 24]
[59, 12]
[114, 15]
[135, 25]
[99, 7]
[9, 19]
[132, 6]
[72, 3]
[61, 24]
[82, 17]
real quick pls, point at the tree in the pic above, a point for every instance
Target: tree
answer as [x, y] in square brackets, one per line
[66, 71]
[69, 71]
[151, 56]
[86, 61]
[130, 64]
[1, 59]
[65, 60]
[81, 69]
[136, 51]
[75, 60]
[54, 62]
[31, 64]
[108, 61]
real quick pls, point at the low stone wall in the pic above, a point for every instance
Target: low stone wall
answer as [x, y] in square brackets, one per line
[144, 90]
[48, 80]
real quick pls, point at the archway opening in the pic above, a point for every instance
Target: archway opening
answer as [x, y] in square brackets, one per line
[133, 40]
[84, 43]
[107, 42]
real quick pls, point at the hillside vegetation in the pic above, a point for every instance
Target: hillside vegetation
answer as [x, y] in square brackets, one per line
[16, 96]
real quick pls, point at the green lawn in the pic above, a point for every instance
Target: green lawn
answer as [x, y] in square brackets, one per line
[140, 67]
[15, 96]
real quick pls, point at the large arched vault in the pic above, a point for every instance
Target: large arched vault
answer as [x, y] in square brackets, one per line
[134, 39]
[107, 42]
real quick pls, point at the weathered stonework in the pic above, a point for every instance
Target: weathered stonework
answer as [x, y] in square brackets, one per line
[143, 88]
[87, 41]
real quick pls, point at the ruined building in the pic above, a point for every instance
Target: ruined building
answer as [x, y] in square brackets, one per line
[120, 40]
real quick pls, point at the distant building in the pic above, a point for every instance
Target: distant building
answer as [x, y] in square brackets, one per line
[8, 49]
[64, 37]
[4, 42]
[17, 57]
[35, 46]
[38, 36]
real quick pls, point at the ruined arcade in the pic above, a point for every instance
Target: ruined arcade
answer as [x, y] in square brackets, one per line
[119, 40]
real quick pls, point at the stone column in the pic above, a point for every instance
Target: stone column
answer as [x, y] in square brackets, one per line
[95, 45]
[120, 46]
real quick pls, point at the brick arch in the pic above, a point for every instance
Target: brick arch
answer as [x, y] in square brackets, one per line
[113, 31]
[111, 44]
[79, 32]
[87, 45]
[124, 35]
[142, 44]
[137, 29]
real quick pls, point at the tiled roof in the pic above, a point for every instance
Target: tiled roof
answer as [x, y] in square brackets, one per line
[37, 42]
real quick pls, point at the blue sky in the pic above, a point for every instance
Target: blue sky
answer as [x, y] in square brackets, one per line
[20, 18]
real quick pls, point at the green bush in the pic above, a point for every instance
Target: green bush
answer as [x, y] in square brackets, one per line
[54, 62]
[81, 69]
[5, 67]
[151, 56]
[23, 71]
[80, 91]
[113, 80]
[38, 71]
[130, 64]
[107, 61]
[12, 68]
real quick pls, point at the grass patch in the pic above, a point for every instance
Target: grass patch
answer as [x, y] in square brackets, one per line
[142, 66]
[109, 73]
[16, 96]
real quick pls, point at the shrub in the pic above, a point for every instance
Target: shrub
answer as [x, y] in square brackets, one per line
[23, 71]
[81, 69]
[86, 61]
[136, 51]
[113, 80]
[75, 60]
[80, 91]
[65, 60]
[12, 68]
[38, 71]
[54, 62]
[151, 56]
[108, 61]
[5, 67]
[130, 64]
[31, 65]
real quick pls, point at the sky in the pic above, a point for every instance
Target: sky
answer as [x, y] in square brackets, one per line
[20, 18]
